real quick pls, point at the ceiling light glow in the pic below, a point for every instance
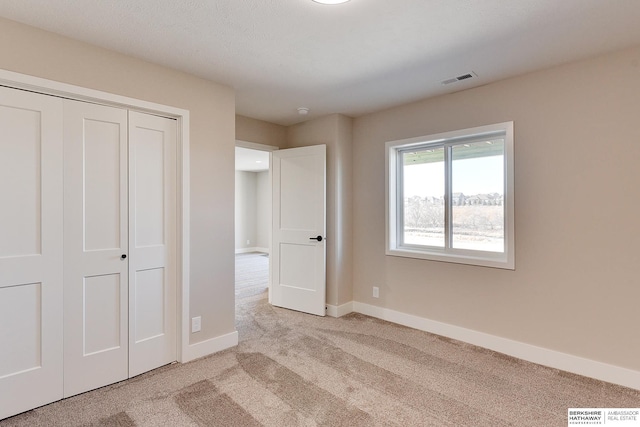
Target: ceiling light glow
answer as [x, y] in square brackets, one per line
[330, 1]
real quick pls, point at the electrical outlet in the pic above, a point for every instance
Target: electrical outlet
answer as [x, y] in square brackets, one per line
[196, 324]
[376, 292]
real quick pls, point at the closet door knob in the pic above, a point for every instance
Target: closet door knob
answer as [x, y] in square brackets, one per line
[123, 256]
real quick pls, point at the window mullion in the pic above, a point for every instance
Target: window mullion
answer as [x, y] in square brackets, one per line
[448, 197]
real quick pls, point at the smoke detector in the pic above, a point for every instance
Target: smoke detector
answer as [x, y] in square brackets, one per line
[303, 111]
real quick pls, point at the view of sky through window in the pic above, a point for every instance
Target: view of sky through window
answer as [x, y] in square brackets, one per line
[477, 187]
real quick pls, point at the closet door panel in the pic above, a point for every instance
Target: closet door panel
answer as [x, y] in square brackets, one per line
[20, 164]
[152, 274]
[103, 185]
[96, 239]
[30, 250]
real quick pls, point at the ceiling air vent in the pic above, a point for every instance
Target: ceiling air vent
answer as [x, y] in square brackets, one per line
[459, 78]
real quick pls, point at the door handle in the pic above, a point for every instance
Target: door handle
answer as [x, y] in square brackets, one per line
[123, 256]
[319, 238]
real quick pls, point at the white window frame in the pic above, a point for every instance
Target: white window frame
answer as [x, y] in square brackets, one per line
[394, 247]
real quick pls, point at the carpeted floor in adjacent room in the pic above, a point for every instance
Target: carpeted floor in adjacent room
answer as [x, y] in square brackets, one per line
[292, 369]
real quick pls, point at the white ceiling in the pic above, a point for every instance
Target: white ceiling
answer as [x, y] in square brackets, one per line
[354, 58]
[251, 160]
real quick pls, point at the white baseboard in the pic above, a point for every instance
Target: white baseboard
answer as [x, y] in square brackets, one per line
[246, 250]
[210, 346]
[542, 356]
[339, 310]
[254, 249]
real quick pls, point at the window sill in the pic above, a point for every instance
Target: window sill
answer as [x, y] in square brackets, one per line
[481, 260]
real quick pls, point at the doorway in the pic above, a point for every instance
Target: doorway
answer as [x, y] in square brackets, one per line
[286, 204]
[252, 222]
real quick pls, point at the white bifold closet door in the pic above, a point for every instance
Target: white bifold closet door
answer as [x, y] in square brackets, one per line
[30, 250]
[96, 345]
[87, 246]
[152, 242]
[119, 244]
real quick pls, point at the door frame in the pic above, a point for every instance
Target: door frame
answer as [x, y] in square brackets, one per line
[63, 90]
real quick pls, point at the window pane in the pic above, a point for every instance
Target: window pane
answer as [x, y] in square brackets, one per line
[477, 179]
[423, 196]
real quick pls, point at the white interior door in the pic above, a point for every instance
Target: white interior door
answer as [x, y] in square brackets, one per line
[95, 246]
[152, 242]
[298, 253]
[30, 256]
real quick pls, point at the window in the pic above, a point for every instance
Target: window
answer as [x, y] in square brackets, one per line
[450, 197]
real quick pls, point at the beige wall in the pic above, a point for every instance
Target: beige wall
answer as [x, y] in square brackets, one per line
[577, 146]
[245, 209]
[260, 132]
[252, 210]
[263, 210]
[335, 132]
[212, 109]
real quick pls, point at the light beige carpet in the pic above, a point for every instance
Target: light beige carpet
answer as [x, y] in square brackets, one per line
[292, 369]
